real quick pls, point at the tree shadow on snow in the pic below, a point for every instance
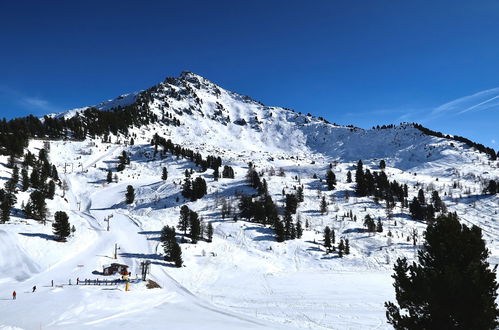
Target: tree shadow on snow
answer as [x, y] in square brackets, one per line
[156, 259]
[41, 235]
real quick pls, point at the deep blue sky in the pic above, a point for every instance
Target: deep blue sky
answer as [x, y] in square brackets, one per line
[353, 62]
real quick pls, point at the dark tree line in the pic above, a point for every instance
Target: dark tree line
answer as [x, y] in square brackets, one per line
[478, 146]
[190, 220]
[213, 162]
[422, 209]
[194, 189]
[377, 184]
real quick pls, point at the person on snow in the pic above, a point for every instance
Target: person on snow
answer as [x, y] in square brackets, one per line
[14, 294]
[34, 288]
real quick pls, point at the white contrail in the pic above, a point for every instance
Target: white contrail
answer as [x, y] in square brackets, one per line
[469, 102]
[479, 104]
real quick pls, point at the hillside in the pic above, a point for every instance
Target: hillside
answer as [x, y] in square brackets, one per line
[244, 278]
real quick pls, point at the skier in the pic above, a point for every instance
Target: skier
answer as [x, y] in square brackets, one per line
[34, 288]
[14, 294]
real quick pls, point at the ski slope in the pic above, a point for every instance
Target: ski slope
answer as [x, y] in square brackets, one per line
[244, 278]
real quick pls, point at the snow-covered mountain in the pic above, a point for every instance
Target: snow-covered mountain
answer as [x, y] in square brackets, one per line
[244, 278]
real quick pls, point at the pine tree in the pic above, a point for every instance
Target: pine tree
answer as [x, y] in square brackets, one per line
[209, 232]
[341, 248]
[10, 185]
[349, 177]
[130, 194]
[369, 223]
[291, 203]
[194, 226]
[35, 179]
[164, 174]
[177, 255]
[50, 190]
[323, 205]
[379, 226]
[382, 164]
[330, 179]
[54, 175]
[61, 227]
[299, 194]
[168, 240]
[183, 222]
[187, 188]
[327, 239]
[109, 177]
[36, 207]
[279, 231]
[288, 220]
[216, 173]
[451, 286]
[7, 201]
[492, 187]
[347, 246]
[24, 179]
[299, 229]
[361, 188]
[421, 198]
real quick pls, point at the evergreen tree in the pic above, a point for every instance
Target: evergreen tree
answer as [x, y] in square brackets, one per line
[183, 222]
[10, 185]
[451, 286]
[194, 226]
[61, 227]
[361, 188]
[246, 207]
[35, 179]
[54, 175]
[187, 188]
[130, 194]
[199, 188]
[299, 194]
[382, 164]
[369, 223]
[176, 255]
[417, 211]
[438, 205]
[323, 205]
[347, 246]
[379, 226]
[216, 173]
[209, 232]
[228, 172]
[109, 177]
[341, 248]
[7, 201]
[291, 203]
[36, 207]
[288, 220]
[330, 179]
[164, 174]
[327, 239]
[492, 187]
[421, 198]
[50, 190]
[24, 179]
[168, 240]
[299, 229]
[349, 177]
[280, 232]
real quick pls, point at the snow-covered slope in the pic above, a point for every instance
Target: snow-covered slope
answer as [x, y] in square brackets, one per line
[244, 278]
